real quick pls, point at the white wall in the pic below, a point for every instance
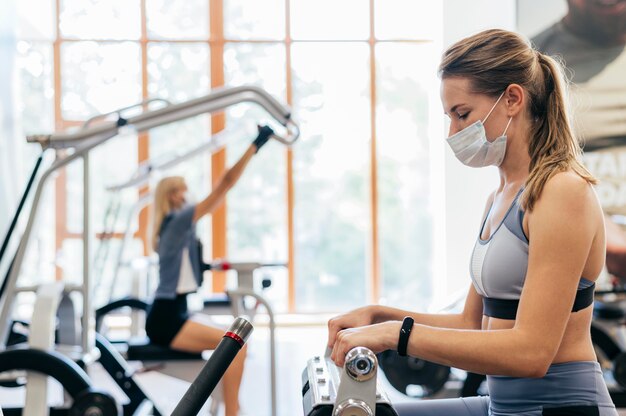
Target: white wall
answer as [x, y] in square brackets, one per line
[466, 189]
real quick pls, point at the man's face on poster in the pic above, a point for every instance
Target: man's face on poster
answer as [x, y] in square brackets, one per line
[606, 19]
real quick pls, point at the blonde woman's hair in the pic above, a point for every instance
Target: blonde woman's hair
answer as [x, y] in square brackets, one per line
[494, 59]
[162, 205]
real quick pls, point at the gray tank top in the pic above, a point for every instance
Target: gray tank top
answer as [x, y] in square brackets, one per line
[498, 265]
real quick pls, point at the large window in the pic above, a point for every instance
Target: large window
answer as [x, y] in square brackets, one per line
[347, 210]
[27, 96]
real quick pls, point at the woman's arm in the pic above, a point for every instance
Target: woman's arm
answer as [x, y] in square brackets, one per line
[563, 226]
[230, 178]
[226, 182]
[469, 318]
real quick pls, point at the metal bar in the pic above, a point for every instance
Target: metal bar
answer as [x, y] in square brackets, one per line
[202, 387]
[215, 101]
[60, 206]
[87, 341]
[67, 288]
[20, 207]
[119, 111]
[142, 202]
[8, 297]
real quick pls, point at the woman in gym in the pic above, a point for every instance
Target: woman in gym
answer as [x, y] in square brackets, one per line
[540, 248]
[168, 321]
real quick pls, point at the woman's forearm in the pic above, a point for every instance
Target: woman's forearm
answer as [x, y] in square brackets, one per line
[231, 176]
[226, 182]
[458, 321]
[506, 352]
[234, 173]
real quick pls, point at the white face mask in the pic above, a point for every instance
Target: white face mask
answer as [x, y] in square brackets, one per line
[472, 148]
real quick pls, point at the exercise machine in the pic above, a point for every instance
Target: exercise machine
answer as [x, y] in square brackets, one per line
[353, 390]
[402, 372]
[90, 402]
[89, 137]
[240, 300]
[80, 143]
[39, 360]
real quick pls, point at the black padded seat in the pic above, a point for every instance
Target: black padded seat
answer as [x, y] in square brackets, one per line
[142, 350]
[603, 310]
[217, 300]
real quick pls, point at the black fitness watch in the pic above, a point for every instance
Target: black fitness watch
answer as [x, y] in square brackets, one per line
[405, 332]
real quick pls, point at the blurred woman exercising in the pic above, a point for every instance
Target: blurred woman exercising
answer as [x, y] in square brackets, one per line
[168, 321]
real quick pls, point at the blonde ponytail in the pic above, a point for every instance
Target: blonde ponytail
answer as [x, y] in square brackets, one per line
[553, 147]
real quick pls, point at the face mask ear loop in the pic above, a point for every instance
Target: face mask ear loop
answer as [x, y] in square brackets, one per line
[494, 106]
[507, 125]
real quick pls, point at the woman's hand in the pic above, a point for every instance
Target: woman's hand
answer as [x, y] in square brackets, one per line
[353, 319]
[377, 337]
[265, 133]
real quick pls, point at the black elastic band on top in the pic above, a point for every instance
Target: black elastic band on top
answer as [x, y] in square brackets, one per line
[507, 308]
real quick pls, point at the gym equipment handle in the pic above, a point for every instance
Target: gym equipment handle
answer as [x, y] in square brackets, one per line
[214, 369]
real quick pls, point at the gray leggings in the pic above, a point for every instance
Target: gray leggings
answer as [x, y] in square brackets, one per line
[575, 388]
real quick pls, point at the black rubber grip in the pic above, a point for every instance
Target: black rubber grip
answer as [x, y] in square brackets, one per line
[209, 376]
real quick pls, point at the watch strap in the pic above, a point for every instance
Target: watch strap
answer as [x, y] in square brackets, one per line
[405, 332]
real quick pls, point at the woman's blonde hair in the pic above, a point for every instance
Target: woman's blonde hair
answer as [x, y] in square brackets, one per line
[162, 205]
[494, 59]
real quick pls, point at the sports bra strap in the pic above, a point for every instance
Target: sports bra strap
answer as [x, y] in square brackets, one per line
[507, 308]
